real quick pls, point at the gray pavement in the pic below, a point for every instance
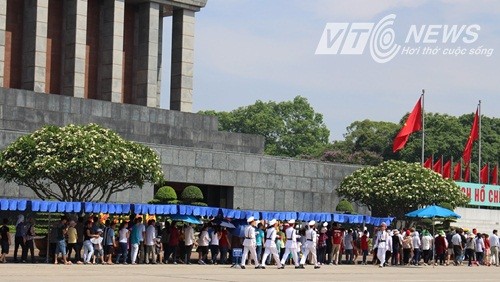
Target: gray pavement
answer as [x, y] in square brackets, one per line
[97, 273]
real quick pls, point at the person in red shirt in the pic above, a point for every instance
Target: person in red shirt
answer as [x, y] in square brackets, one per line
[173, 243]
[337, 237]
[487, 249]
[441, 246]
[364, 245]
[224, 245]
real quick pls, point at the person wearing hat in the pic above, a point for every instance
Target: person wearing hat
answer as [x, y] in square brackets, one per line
[397, 242]
[311, 239]
[380, 243]
[427, 243]
[469, 247]
[322, 243]
[441, 246]
[291, 244]
[249, 243]
[271, 245]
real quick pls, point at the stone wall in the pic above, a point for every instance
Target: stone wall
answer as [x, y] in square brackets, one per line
[482, 219]
[27, 111]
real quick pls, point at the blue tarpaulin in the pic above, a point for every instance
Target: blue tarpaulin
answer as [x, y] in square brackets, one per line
[13, 204]
[187, 210]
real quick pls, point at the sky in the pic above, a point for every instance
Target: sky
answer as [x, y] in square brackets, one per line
[248, 50]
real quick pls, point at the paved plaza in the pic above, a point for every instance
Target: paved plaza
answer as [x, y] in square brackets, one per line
[94, 273]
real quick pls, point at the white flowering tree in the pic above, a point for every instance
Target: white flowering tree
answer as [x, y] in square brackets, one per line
[78, 163]
[394, 188]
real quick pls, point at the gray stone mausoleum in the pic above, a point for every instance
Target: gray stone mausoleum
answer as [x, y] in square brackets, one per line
[101, 63]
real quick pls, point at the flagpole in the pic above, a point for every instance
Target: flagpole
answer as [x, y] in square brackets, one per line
[479, 155]
[452, 169]
[423, 127]
[442, 164]
[461, 173]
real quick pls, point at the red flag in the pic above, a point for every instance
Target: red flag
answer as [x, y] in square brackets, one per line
[473, 136]
[412, 124]
[484, 174]
[457, 171]
[494, 175]
[437, 166]
[428, 163]
[447, 169]
[467, 174]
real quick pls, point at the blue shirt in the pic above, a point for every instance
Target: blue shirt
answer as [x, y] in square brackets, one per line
[135, 236]
[259, 237]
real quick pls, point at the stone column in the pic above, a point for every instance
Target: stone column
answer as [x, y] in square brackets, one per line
[147, 54]
[111, 53]
[3, 26]
[34, 44]
[160, 48]
[74, 46]
[181, 83]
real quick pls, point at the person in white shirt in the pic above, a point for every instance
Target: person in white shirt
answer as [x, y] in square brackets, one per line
[203, 241]
[310, 245]
[495, 246]
[381, 243]
[215, 236]
[188, 243]
[456, 241]
[427, 242]
[479, 248]
[349, 246]
[417, 244]
[271, 244]
[249, 243]
[149, 242]
[291, 244]
[388, 252]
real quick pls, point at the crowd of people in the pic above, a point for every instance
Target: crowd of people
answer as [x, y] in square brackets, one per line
[272, 243]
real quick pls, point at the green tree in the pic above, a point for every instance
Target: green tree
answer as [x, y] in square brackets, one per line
[394, 188]
[78, 163]
[344, 206]
[290, 128]
[365, 143]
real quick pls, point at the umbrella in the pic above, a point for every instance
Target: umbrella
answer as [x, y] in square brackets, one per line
[432, 212]
[239, 231]
[185, 218]
[227, 224]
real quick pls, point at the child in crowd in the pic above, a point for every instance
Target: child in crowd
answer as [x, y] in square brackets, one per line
[98, 249]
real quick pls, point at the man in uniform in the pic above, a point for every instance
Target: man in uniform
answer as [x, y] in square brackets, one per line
[380, 243]
[249, 243]
[311, 239]
[291, 244]
[271, 244]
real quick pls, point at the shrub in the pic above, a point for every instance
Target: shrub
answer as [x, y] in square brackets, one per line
[166, 194]
[344, 206]
[192, 194]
